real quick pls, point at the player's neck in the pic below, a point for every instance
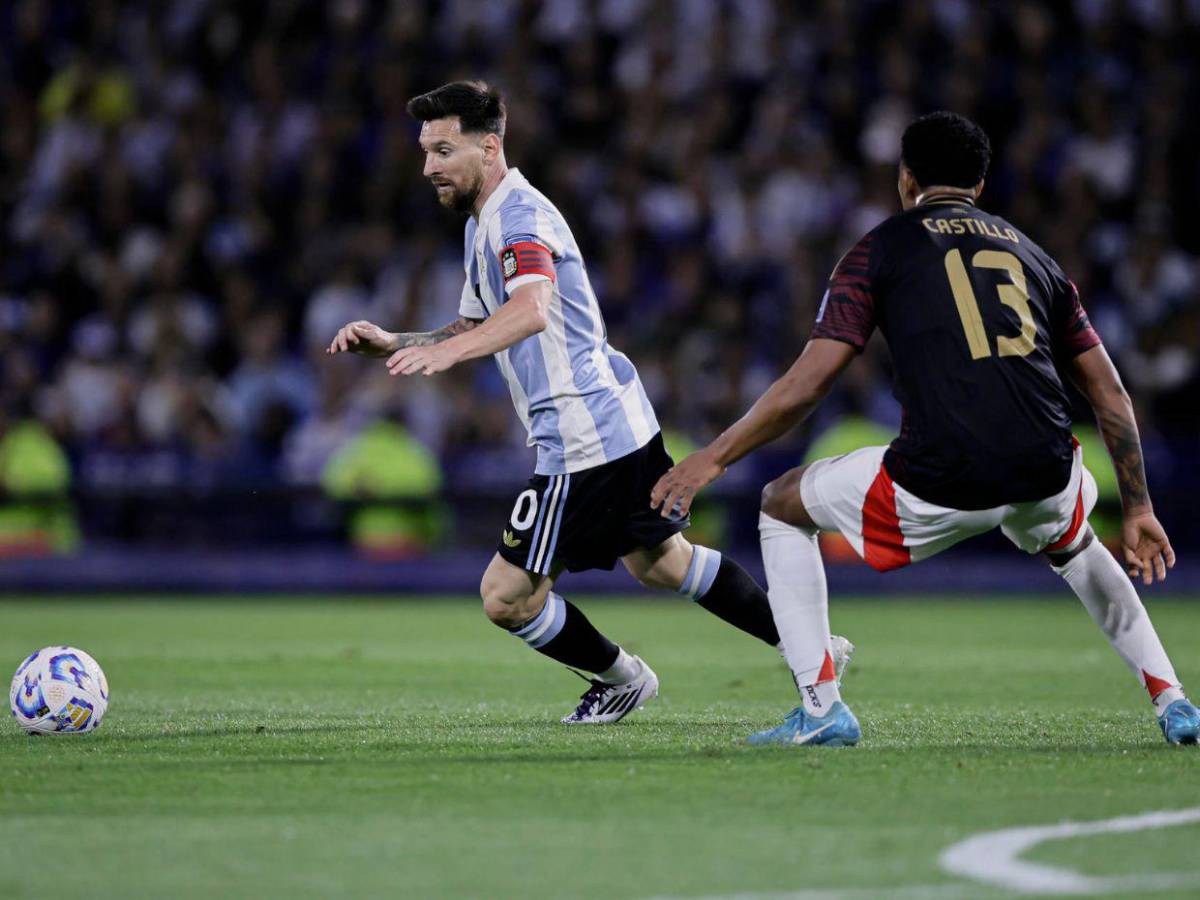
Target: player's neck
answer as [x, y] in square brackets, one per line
[496, 174]
[945, 192]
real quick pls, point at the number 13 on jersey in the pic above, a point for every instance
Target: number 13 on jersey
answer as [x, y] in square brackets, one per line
[1015, 296]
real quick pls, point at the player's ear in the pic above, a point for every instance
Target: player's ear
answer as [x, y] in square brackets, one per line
[491, 147]
[908, 187]
[978, 189]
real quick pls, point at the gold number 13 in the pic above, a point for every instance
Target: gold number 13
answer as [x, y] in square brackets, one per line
[1013, 295]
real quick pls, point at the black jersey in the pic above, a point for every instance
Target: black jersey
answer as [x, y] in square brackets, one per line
[976, 316]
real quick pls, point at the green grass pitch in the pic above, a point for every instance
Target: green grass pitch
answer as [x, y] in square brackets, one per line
[359, 748]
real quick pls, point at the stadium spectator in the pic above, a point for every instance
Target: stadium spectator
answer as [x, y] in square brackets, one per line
[204, 186]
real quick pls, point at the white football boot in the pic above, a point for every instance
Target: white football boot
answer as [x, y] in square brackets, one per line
[842, 651]
[603, 703]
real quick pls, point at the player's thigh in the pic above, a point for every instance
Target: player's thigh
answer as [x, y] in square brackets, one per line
[527, 537]
[782, 500]
[827, 494]
[887, 526]
[511, 593]
[1057, 525]
[663, 566]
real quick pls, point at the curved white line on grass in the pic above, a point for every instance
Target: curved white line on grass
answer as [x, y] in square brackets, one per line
[992, 857]
[902, 892]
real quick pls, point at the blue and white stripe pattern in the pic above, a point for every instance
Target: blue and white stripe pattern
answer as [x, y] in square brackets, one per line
[545, 626]
[580, 400]
[549, 520]
[701, 573]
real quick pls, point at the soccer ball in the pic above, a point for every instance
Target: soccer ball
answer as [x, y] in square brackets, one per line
[59, 690]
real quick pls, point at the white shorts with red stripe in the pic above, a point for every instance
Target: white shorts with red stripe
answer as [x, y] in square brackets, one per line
[890, 527]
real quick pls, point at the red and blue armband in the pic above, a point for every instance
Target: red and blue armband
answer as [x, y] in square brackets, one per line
[526, 258]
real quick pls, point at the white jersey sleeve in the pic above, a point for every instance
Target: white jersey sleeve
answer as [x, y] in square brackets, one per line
[529, 246]
[469, 305]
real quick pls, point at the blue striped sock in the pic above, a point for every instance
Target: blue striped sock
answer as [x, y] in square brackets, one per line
[562, 632]
[701, 573]
[545, 626]
[717, 583]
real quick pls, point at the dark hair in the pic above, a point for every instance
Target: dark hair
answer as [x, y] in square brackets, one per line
[945, 148]
[479, 108]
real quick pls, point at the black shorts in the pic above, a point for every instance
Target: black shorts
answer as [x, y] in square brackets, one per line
[589, 519]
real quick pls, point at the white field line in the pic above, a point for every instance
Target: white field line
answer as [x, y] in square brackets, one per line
[900, 892]
[992, 857]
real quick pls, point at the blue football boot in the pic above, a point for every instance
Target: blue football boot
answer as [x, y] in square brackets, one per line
[1180, 723]
[837, 728]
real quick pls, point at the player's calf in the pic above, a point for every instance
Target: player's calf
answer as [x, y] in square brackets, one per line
[1112, 602]
[709, 578]
[523, 604]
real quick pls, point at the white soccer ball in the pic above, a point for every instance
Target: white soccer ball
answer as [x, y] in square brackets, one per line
[59, 690]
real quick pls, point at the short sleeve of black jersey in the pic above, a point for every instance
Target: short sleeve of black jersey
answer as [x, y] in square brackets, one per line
[1073, 332]
[847, 310]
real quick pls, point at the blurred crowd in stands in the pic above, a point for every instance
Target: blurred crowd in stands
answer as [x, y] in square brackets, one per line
[195, 194]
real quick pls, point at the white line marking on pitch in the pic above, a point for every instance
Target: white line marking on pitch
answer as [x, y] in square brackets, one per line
[903, 892]
[992, 857]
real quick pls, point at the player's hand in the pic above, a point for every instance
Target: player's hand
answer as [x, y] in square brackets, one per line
[362, 337]
[675, 491]
[427, 360]
[1147, 549]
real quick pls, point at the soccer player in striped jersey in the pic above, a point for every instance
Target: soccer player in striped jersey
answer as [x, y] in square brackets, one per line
[527, 301]
[980, 321]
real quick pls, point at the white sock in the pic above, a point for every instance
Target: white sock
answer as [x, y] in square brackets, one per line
[819, 698]
[800, 605]
[626, 668]
[1111, 600]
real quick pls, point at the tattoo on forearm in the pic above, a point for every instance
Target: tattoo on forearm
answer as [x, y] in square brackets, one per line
[426, 338]
[1125, 447]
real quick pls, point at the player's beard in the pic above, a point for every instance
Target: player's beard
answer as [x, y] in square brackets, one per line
[462, 199]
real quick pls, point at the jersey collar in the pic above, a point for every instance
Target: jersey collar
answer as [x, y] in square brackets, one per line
[933, 199]
[513, 180]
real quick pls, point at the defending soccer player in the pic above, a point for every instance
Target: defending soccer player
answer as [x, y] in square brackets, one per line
[978, 320]
[527, 301]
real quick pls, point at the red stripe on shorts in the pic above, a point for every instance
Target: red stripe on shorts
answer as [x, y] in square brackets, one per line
[883, 544]
[1073, 529]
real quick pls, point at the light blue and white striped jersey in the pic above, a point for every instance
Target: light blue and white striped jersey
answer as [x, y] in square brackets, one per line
[581, 401]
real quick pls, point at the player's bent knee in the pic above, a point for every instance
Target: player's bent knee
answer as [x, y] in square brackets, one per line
[1058, 560]
[657, 579]
[500, 603]
[506, 615]
[662, 567]
[506, 609]
[781, 499]
[510, 597]
[648, 579]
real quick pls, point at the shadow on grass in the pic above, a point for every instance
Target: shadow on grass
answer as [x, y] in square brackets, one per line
[106, 738]
[537, 741]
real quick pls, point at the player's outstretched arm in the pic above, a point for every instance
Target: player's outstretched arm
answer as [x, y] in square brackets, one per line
[783, 406]
[1147, 549]
[524, 314]
[368, 339]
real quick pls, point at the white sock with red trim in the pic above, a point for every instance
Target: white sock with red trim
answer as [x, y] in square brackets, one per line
[800, 604]
[818, 698]
[1111, 600]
